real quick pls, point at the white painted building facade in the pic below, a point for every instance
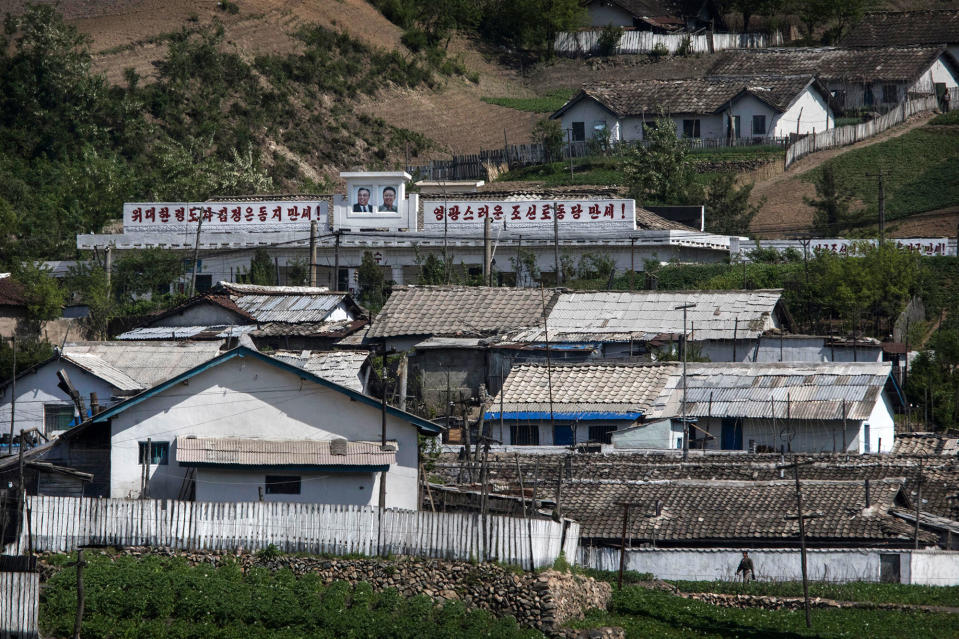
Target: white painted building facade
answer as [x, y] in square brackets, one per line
[245, 395]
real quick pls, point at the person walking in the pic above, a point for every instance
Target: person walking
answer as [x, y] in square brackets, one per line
[746, 568]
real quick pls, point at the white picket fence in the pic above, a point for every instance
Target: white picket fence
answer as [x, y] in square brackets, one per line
[61, 524]
[576, 43]
[19, 600]
[853, 133]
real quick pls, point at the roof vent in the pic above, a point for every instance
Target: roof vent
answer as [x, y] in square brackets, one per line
[389, 447]
[338, 446]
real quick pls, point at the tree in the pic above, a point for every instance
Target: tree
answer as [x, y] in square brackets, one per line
[146, 272]
[749, 8]
[660, 171]
[550, 134]
[728, 211]
[432, 269]
[262, 269]
[831, 203]
[42, 292]
[531, 25]
[372, 283]
[89, 284]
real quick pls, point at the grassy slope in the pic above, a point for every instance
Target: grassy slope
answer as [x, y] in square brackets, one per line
[921, 167]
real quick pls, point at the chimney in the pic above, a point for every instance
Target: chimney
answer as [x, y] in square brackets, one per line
[338, 446]
[659, 507]
[867, 494]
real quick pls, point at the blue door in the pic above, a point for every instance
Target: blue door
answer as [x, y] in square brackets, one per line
[732, 435]
[563, 435]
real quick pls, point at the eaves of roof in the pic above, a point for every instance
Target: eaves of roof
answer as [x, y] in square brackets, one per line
[242, 351]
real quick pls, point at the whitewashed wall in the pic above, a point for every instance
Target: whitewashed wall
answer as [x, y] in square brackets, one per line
[810, 112]
[246, 397]
[792, 349]
[806, 436]
[40, 387]
[357, 489]
[19, 604]
[60, 524]
[573, 43]
[925, 567]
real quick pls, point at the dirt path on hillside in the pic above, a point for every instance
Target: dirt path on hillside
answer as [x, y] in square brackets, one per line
[784, 211]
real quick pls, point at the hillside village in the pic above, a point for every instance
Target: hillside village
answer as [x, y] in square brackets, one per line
[600, 318]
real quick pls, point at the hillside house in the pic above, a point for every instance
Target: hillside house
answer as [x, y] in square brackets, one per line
[871, 78]
[245, 426]
[658, 16]
[761, 107]
[789, 407]
[109, 370]
[297, 317]
[905, 28]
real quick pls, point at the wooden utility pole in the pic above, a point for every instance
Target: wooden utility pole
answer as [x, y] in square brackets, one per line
[622, 548]
[802, 536]
[313, 253]
[13, 391]
[196, 256]
[109, 268]
[559, 273]
[549, 361]
[78, 620]
[684, 308]
[487, 252]
[383, 428]
[336, 261]
[918, 503]
[529, 520]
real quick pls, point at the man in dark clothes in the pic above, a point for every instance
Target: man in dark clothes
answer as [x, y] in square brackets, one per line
[746, 568]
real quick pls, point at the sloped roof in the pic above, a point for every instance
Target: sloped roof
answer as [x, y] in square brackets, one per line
[263, 452]
[649, 98]
[926, 444]
[662, 13]
[713, 511]
[99, 368]
[11, 292]
[459, 310]
[896, 28]
[892, 64]
[809, 391]
[141, 364]
[643, 315]
[171, 333]
[579, 390]
[341, 367]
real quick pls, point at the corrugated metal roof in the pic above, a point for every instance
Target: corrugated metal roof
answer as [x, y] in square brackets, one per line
[625, 315]
[289, 308]
[147, 363]
[817, 390]
[110, 374]
[341, 367]
[186, 332]
[264, 452]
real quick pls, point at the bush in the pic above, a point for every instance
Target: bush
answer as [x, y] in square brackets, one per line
[660, 50]
[609, 39]
[415, 40]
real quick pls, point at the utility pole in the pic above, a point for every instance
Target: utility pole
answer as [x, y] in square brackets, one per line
[549, 361]
[336, 260]
[109, 268]
[802, 542]
[882, 204]
[559, 274]
[13, 396]
[487, 253]
[918, 503]
[78, 620]
[622, 548]
[196, 254]
[684, 308]
[313, 253]
[569, 145]
[383, 430]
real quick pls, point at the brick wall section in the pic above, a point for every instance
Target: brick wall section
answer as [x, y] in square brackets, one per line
[543, 600]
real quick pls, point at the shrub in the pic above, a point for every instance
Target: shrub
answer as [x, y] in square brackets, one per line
[609, 39]
[660, 50]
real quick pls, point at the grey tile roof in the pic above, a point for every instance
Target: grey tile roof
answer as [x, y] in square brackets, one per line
[896, 28]
[694, 511]
[649, 98]
[813, 391]
[892, 64]
[148, 363]
[459, 311]
[264, 452]
[642, 315]
[926, 444]
[341, 367]
[217, 332]
[584, 387]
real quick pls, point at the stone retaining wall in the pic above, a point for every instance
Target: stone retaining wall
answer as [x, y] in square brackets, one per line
[543, 600]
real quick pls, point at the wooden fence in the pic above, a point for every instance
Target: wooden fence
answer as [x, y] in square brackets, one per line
[19, 597]
[582, 43]
[61, 524]
[844, 135]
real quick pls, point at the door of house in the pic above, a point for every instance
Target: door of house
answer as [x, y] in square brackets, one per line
[889, 568]
[563, 435]
[732, 434]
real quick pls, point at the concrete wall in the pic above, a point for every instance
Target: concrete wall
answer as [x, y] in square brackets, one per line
[926, 567]
[937, 73]
[466, 368]
[358, 489]
[246, 397]
[40, 387]
[589, 112]
[810, 111]
[789, 349]
[603, 13]
[662, 434]
[795, 435]
[546, 429]
[201, 315]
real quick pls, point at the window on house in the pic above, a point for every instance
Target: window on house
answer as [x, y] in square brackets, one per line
[603, 434]
[579, 131]
[57, 417]
[204, 283]
[524, 434]
[737, 127]
[157, 452]
[282, 485]
[691, 129]
[759, 126]
[599, 129]
[866, 437]
[890, 93]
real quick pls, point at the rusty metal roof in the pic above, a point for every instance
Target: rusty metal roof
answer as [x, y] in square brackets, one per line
[264, 452]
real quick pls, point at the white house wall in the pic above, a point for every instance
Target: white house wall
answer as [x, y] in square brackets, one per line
[657, 435]
[580, 430]
[589, 112]
[790, 349]
[40, 387]
[603, 13]
[810, 111]
[204, 314]
[881, 427]
[248, 398]
[937, 73]
[359, 489]
[791, 435]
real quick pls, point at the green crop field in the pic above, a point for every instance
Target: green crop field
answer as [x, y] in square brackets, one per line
[547, 103]
[921, 172]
